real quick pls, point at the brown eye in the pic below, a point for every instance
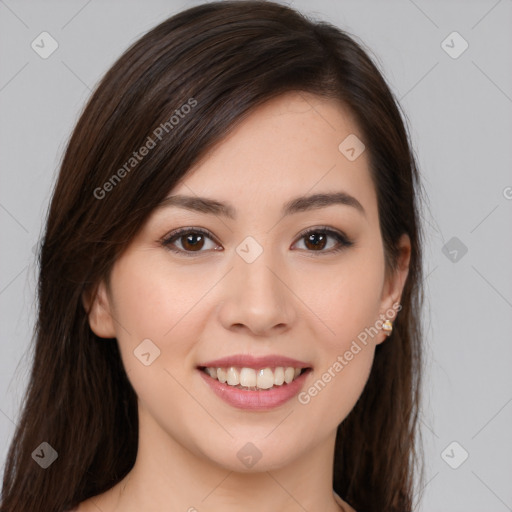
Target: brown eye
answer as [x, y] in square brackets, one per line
[317, 239]
[188, 240]
[192, 242]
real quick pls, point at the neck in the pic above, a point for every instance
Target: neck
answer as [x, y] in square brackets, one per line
[170, 476]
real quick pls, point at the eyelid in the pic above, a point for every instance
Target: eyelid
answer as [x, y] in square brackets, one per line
[177, 233]
[343, 240]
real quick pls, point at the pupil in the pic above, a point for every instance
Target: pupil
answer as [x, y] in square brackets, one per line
[317, 243]
[190, 240]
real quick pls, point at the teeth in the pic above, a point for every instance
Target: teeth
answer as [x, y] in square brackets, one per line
[248, 377]
[221, 374]
[212, 372]
[279, 376]
[233, 377]
[289, 374]
[264, 378]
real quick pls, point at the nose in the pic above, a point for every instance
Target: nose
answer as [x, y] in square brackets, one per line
[257, 297]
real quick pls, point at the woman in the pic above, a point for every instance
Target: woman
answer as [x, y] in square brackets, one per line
[229, 292]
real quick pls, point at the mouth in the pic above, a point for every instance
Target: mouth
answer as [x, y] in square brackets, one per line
[255, 383]
[251, 379]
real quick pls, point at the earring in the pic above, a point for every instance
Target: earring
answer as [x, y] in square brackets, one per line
[387, 327]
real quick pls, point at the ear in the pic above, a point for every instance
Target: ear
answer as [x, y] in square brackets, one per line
[394, 285]
[98, 308]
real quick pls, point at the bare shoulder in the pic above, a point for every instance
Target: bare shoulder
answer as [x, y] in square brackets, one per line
[94, 504]
[79, 508]
[346, 507]
[103, 502]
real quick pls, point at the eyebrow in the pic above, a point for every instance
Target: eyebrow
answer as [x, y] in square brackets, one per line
[296, 205]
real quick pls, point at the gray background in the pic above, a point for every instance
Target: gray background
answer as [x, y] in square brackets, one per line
[459, 112]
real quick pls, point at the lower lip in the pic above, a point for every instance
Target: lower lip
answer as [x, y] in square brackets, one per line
[255, 400]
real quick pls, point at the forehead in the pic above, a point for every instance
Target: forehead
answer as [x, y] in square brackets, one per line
[287, 147]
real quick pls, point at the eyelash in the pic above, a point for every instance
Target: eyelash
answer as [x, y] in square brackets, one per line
[342, 239]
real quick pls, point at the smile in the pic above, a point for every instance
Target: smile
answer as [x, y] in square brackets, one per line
[252, 379]
[255, 383]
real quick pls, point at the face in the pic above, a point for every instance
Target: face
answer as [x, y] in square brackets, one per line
[268, 282]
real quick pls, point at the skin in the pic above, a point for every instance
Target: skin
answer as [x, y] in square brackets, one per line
[293, 300]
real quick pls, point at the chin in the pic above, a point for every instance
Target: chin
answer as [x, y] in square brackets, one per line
[248, 454]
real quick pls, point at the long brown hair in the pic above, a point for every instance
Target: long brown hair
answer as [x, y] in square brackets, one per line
[222, 59]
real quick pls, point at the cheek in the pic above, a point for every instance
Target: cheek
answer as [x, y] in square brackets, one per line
[171, 308]
[348, 305]
[346, 298]
[155, 302]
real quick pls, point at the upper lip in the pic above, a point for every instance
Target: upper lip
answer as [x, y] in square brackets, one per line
[247, 361]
